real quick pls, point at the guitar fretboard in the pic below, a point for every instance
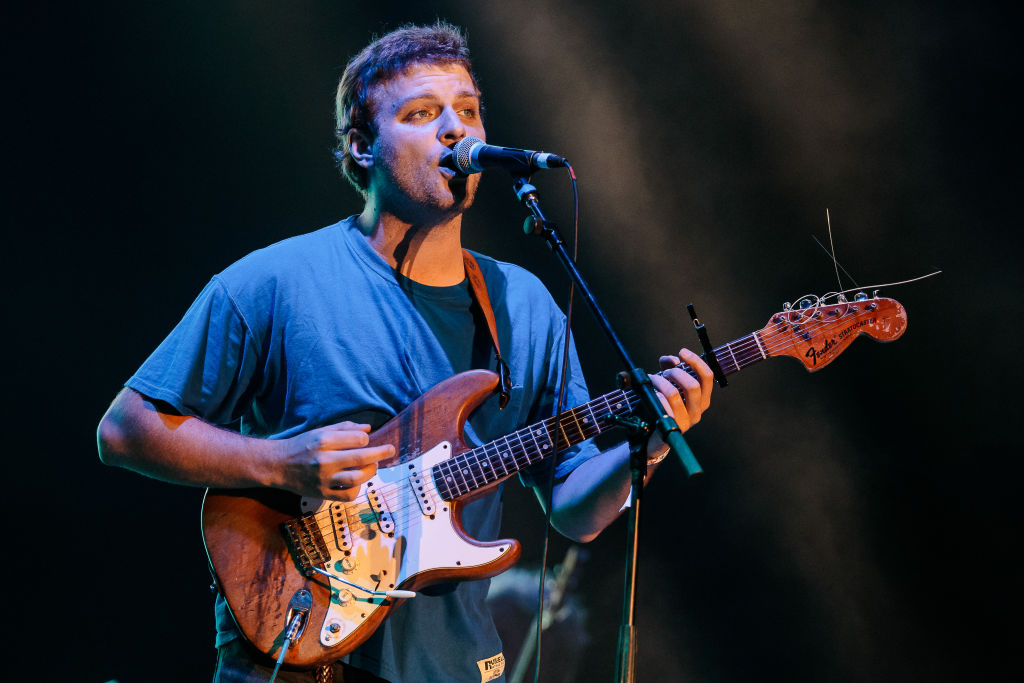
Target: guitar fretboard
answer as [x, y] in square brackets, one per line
[499, 459]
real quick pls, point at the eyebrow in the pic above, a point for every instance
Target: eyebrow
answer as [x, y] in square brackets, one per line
[429, 95]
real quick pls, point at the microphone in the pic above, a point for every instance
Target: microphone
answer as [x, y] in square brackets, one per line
[473, 155]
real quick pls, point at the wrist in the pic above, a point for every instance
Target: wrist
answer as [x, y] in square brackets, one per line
[267, 465]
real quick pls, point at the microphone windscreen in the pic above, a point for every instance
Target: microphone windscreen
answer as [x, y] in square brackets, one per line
[462, 153]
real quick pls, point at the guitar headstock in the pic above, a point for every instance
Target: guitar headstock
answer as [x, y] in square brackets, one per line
[817, 334]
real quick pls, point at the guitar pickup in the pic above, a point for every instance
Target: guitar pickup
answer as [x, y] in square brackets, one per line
[385, 520]
[306, 543]
[419, 490]
[342, 526]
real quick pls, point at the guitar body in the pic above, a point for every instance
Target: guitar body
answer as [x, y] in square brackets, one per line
[398, 534]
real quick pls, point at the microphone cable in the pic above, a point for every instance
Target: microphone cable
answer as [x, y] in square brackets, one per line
[560, 408]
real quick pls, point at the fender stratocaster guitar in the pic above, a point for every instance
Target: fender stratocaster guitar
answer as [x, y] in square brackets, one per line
[333, 570]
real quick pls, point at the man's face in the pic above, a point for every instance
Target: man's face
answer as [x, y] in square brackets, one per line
[419, 115]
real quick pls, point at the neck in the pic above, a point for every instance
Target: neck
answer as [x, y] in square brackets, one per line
[428, 253]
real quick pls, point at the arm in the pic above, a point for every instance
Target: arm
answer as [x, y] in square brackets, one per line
[152, 438]
[591, 497]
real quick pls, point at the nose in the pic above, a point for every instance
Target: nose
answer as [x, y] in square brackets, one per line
[452, 129]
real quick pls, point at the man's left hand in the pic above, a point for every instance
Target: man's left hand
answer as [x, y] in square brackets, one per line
[684, 397]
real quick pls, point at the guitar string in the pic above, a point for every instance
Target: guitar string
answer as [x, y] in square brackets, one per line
[742, 351]
[748, 349]
[487, 458]
[777, 339]
[780, 338]
[410, 513]
[474, 454]
[472, 458]
[745, 350]
[569, 418]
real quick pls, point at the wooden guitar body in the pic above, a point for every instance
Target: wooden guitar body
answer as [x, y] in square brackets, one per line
[398, 534]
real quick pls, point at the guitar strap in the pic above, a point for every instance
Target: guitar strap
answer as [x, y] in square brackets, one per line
[476, 281]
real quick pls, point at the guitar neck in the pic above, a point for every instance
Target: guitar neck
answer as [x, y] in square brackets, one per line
[497, 460]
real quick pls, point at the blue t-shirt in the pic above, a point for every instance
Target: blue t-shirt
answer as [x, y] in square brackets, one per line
[317, 329]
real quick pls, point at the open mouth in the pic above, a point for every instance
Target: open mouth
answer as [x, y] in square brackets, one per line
[451, 177]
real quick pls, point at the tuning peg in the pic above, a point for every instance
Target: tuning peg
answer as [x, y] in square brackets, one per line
[860, 296]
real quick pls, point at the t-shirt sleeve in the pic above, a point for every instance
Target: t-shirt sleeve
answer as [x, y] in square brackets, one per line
[207, 365]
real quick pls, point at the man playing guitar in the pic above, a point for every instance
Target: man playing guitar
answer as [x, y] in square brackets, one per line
[291, 357]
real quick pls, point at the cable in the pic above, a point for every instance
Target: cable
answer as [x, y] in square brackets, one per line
[563, 384]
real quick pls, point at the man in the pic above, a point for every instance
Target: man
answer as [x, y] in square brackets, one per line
[289, 357]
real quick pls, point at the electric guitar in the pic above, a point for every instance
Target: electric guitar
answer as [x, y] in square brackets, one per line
[312, 579]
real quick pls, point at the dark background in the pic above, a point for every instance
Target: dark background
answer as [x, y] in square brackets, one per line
[857, 524]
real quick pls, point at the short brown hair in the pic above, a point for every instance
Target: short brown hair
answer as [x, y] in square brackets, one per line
[383, 59]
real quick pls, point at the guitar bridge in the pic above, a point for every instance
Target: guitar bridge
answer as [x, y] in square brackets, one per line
[306, 543]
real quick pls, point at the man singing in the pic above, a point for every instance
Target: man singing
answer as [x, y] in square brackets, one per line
[290, 357]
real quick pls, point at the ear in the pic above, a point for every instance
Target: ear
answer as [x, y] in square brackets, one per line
[360, 147]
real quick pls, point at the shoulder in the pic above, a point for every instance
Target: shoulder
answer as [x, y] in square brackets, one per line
[509, 279]
[519, 296]
[286, 256]
[291, 265]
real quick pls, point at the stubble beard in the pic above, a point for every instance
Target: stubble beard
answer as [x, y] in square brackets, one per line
[416, 195]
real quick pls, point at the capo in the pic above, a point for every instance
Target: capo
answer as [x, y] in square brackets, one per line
[708, 356]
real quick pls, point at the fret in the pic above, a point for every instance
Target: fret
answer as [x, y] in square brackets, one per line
[579, 429]
[550, 440]
[760, 347]
[493, 462]
[482, 465]
[443, 476]
[456, 475]
[524, 449]
[621, 405]
[489, 460]
[561, 427]
[466, 468]
[592, 420]
[509, 453]
[732, 355]
[537, 445]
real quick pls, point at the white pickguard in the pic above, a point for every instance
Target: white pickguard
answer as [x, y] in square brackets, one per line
[367, 551]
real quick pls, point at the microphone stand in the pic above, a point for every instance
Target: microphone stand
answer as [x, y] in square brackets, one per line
[650, 415]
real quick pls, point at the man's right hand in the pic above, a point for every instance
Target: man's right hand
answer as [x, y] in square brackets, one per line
[152, 438]
[331, 462]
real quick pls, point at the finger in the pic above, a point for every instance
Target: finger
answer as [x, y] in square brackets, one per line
[330, 439]
[348, 425]
[667, 362]
[355, 457]
[351, 478]
[704, 375]
[672, 401]
[690, 391]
